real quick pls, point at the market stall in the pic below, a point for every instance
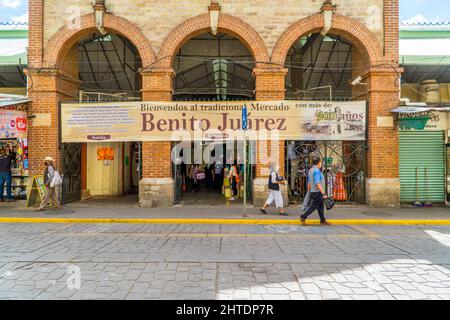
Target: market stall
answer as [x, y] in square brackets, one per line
[13, 139]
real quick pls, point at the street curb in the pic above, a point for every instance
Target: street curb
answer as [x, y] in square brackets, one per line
[405, 222]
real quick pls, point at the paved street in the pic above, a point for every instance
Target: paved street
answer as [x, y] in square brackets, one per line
[145, 261]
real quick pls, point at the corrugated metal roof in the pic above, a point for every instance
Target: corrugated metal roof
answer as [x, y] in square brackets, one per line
[425, 26]
[7, 103]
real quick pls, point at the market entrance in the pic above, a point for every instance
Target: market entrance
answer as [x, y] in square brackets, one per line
[107, 69]
[202, 172]
[213, 68]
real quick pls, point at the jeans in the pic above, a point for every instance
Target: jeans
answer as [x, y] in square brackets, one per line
[218, 181]
[316, 204]
[234, 186]
[5, 176]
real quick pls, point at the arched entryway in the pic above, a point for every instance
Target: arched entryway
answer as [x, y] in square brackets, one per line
[107, 68]
[83, 65]
[221, 76]
[324, 68]
[212, 68]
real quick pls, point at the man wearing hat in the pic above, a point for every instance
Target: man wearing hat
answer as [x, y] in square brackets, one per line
[52, 194]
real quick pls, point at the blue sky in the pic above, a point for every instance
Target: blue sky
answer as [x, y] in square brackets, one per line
[412, 10]
[425, 10]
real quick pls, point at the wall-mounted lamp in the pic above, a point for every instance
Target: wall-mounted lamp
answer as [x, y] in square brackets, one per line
[99, 11]
[328, 10]
[214, 12]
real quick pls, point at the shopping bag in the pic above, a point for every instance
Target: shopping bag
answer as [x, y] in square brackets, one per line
[329, 203]
[200, 176]
[306, 202]
[57, 180]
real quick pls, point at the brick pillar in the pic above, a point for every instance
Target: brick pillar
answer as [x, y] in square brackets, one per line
[36, 35]
[391, 30]
[47, 89]
[383, 184]
[157, 186]
[270, 85]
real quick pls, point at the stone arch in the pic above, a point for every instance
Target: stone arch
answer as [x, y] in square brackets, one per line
[66, 37]
[363, 39]
[201, 24]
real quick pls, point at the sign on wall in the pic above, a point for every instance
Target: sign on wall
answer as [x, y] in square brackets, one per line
[175, 121]
[438, 120]
[13, 124]
[105, 153]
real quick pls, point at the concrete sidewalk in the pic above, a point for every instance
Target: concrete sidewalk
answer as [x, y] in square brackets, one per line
[107, 209]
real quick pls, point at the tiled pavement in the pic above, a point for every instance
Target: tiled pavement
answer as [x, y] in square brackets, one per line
[121, 261]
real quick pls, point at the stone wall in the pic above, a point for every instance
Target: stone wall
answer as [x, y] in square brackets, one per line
[156, 19]
[156, 192]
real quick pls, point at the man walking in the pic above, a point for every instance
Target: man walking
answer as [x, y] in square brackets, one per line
[5, 175]
[316, 186]
[52, 192]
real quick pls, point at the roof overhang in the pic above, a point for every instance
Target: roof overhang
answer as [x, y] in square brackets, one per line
[414, 109]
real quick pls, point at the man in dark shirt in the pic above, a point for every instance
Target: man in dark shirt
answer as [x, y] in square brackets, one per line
[5, 175]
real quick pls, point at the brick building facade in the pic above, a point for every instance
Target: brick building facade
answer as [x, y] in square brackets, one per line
[268, 29]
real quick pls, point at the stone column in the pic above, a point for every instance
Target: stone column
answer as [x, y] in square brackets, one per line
[157, 185]
[383, 184]
[270, 85]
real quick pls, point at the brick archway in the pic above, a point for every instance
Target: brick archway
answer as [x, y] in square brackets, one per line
[201, 24]
[66, 37]
[356, 32]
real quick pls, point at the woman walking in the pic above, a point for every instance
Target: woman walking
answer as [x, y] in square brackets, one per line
[274, 190]
[195, 181]
[234, 176]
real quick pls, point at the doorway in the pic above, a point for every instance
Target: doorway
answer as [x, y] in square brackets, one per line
[211, 162]
[113, 169]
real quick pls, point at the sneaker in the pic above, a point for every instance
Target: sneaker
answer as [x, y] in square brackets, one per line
[263, 211]
[325, 223]
[284, 214]
[39, 209]
[11, 200]
[232, 199]
[303, 221]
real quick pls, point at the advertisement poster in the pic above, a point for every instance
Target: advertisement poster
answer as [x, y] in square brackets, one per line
[105, 154]
[13, 124]
[176, 121]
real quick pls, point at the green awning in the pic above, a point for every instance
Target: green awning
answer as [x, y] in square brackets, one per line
[425, 60]
[14, 60]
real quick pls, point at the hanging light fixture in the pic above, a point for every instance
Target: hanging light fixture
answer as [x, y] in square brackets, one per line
[220, 68]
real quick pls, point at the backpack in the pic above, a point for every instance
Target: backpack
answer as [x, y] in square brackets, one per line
[57, 180]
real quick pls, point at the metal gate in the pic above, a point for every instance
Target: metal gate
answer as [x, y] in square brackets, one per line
[422, 166]
[343, 167]
[71, 172]
[178, 182]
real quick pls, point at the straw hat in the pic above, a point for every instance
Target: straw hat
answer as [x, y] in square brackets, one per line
[48, 159]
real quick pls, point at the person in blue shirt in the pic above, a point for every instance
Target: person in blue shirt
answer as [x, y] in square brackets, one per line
[316, 186]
